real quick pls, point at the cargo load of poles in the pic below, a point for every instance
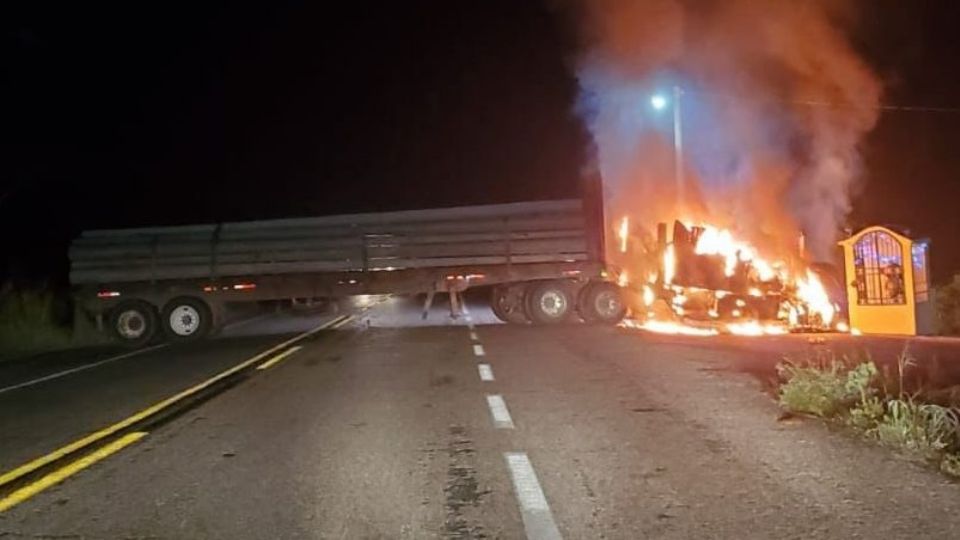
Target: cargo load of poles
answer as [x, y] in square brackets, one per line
[516, 233]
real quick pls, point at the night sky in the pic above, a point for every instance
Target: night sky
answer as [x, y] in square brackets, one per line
[129, 115]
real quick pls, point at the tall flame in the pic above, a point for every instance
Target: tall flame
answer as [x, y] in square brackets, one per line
[623, 233]
[714, 241]
[648, 296]
[669, 264]
[813, 293]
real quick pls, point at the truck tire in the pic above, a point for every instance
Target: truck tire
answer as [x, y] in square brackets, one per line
[186, 318]
[602, 303]
[549, 302]
[506, 302]
[134, 322]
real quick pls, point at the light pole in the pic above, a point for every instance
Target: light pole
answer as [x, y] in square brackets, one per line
[659, 102]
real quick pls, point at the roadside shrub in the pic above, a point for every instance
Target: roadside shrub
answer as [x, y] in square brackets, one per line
[811, 389]
[868, 409]
[28, 323]
[948, 307]
[859, 397]
[921, 428]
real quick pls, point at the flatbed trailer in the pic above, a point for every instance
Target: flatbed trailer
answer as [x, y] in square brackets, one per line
[544, 261]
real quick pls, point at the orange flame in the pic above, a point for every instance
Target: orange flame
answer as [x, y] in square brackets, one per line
[665, 327]
[811, 291]
[623, 233]
[669, 264]
[714, 241]
[697, 311]
[648, 296]
[755, 328]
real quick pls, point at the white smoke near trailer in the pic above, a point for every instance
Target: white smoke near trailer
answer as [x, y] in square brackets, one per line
[775, 104]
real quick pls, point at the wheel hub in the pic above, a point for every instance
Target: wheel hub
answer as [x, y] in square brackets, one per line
[131, 324]
[184, 320]
[553, 303]
[607, 304]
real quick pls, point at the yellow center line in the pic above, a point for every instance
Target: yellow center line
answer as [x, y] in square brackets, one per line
[68, 470]
[279, 357]
[342, 322]
[79, 444]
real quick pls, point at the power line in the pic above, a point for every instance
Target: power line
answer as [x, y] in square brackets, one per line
[827, 104]
[882, 107]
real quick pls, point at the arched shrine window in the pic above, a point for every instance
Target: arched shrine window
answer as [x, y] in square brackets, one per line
[878, 263]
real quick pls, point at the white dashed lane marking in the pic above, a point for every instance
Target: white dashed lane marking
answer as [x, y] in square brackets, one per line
[486, 372]
[498, 409]
[538, 521]
[537, 518]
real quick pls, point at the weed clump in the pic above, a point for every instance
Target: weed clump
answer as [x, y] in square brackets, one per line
[924, 429]
[816, 390]
[856, 395]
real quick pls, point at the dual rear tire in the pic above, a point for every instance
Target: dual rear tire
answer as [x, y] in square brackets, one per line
[601, 303]
[557, 301]
[136, 323]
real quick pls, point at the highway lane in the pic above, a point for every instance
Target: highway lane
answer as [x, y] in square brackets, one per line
[386, 429]
[41, 417]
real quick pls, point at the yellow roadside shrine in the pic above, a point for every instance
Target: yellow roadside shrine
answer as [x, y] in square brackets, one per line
[887, 281]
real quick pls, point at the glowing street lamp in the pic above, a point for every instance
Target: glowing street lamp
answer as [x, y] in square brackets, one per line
[660, 102]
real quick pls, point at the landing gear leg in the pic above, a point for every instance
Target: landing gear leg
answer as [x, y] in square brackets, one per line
[426, 305]
[455, 302]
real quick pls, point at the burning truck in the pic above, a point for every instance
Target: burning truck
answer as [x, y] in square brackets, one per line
[759, 139]
[701, 280]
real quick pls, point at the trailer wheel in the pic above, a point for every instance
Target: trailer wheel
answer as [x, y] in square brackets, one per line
[549, 302]
[186, 319]
[601, 302]
[506, 301]
[134, 322]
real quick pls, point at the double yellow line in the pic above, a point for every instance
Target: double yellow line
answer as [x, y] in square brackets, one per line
[68, 470]
[59, 475]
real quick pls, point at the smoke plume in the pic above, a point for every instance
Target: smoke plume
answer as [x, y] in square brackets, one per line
[774, 103]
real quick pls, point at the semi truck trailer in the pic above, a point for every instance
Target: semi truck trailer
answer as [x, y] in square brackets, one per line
[543, 263]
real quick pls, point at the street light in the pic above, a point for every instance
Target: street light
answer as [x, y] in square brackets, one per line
[659, 102]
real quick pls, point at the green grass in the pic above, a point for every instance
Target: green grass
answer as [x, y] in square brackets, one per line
[857, 395]
[923, 429]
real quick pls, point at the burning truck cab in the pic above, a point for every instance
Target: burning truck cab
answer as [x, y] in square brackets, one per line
[700, 279]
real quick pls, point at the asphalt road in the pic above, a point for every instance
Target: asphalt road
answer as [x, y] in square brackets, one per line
[392, 427]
